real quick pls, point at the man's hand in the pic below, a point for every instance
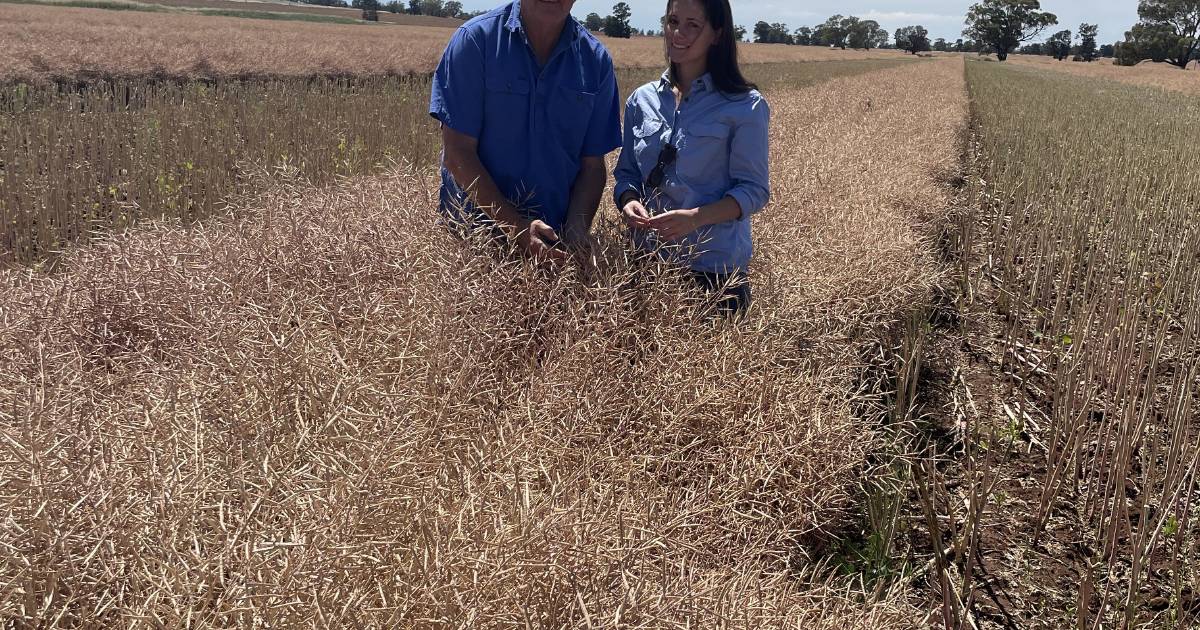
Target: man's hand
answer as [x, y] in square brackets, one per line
[540, 241]
[635, 214]
[676, 224]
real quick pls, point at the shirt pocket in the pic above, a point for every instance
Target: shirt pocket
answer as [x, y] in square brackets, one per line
[704, 156]
[506, 114]
[647, 144]
[570, 114]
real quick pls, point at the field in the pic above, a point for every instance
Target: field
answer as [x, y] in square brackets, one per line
[1149, 74]
[41, 43]
[245, 380]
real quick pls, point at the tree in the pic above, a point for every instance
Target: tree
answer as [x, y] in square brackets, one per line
[617, 24]
[1108, 51]
[939, 45]
[739, 33]
[1059, 45]
[914, 39]
[414, 7]
[1087, 41]
[865, 34]
[958, 46]
[803, 36]
[1002, 25]
[370, 9]
[1169, 30]
[762, 33]
[1032, 49]
[593, 22]
[432, 7]
[833, 32]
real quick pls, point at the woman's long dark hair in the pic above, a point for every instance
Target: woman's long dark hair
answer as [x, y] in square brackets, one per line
[722, 57]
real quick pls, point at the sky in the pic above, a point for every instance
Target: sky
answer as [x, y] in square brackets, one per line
[943, 18]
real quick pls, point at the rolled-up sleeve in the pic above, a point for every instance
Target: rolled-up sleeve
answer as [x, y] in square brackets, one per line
[627, 175]
[749, 168]
[457, 95]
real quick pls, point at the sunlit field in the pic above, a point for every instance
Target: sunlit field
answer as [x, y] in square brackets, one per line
[325, 410]
[247, 380]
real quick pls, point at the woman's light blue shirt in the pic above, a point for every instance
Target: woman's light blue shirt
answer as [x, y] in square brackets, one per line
[723, 152]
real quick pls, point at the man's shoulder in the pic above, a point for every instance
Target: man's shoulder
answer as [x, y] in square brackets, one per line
[589, 43]
[487, 23]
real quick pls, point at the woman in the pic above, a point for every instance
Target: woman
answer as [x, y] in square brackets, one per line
[693, 168]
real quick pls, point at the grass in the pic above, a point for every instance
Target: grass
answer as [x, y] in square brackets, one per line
[137, 150]
[156, 8]
[322, 410]
[45, 44]
[1088, 236]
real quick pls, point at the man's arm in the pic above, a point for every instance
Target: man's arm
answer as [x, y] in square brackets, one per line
[461, 158]
[585, 199]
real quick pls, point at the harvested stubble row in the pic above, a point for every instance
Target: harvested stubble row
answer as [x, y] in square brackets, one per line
[40, 43]
[325, 410]
[1095, 264]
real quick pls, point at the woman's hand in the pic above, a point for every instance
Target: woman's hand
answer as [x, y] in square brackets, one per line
[635, 214]
[676, 224]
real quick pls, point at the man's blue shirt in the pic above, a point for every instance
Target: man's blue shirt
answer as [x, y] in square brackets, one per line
[534, 124]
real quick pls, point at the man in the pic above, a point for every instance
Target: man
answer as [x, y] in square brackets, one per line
[529, 106]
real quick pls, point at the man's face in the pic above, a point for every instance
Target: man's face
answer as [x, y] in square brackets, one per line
[546, 11]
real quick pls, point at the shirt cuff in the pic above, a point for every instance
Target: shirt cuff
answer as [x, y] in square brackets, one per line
[621, 189]
[744, 202]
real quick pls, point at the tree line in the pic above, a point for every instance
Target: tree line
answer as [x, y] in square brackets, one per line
[1166, 31]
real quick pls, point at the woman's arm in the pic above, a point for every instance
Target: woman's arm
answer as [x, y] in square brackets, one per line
[627, 174]
[749, 159]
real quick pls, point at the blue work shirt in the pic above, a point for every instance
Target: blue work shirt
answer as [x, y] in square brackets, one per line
[722, 152]
[534, 124]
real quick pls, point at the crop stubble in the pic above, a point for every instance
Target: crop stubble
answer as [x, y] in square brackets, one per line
[325, 410]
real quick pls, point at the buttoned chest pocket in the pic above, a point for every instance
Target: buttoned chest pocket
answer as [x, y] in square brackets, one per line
[648, 144]
[570, 112]
[704, 156]
[506, 111]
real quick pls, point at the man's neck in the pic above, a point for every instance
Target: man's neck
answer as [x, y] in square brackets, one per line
[543, 35]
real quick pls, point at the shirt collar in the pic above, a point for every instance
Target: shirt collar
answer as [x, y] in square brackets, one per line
[705, 82]
[513, 24]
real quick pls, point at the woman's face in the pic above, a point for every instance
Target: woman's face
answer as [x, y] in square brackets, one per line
[687, 32]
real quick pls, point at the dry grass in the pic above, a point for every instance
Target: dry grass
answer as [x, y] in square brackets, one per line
[326, 411]
[1160, 75]
[39, 43]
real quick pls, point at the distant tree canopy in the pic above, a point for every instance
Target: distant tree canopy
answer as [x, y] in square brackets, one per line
[772, 33]
[803, 36]
[739, 33]
[866, 34]
[835, 31]
[617, 24]
[913, 39]
[1002, 25]
[1169, 30]
[1087, 41]
[1059, 45]
[593, 22]
[940, 45]
[1108, 51]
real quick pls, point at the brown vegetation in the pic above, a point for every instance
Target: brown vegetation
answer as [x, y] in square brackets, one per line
[327, 411]
[1151, 74]
[40, 43]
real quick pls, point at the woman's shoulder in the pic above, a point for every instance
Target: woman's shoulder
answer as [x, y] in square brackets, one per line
[749, 105]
